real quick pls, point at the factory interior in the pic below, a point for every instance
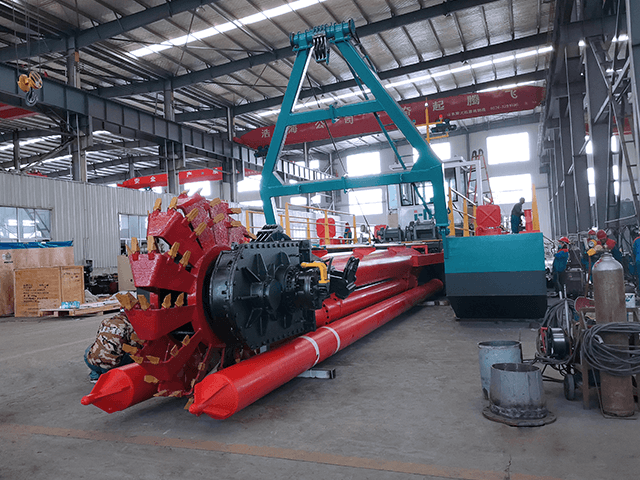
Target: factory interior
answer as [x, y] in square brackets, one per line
[319, 239]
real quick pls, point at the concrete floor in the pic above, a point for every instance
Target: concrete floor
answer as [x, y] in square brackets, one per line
[406, 403]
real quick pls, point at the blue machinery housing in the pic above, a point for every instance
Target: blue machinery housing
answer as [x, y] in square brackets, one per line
[497, 276]
[500, 276]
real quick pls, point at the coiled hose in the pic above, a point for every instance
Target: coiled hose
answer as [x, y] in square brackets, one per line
[616, 360]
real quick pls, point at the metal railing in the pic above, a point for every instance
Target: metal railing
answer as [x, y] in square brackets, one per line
[291, 220]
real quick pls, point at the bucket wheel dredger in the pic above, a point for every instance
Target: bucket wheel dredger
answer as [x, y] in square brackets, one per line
[213, 299]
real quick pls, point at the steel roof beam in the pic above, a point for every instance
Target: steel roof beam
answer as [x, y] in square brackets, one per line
[568, 33]
[480, 127]
[91, 167]
[137, 123]
[84, 38]
[24, 134]
[200, 76]
[526, 42]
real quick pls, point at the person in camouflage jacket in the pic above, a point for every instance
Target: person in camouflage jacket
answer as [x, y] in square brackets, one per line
[108, 351]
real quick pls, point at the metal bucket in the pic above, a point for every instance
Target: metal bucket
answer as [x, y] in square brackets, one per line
[496, 351]
[517, 396]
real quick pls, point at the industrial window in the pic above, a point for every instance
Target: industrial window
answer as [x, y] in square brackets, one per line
[362, 164]
[250, 184]
[591, 176]
[193, 187]
[313, 164]
[441, 149]
[424, 190]
[252, 203]
[133, 226]
[508, 148]
[366, 202]
[24, 224]
[508, 189]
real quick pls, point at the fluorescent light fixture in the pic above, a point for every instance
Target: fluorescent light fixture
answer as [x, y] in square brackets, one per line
[530, 53]
[225, 27]
[256, 17]
[57, 159]
[268, 113]
[463, 68]
[482, 64]
[31, 141]
[622, 38]
[508, 58]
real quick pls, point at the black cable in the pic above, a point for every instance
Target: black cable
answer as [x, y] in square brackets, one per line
[616, 360]
[554, 318]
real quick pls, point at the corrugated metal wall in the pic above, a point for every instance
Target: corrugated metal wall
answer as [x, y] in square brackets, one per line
[84, 213]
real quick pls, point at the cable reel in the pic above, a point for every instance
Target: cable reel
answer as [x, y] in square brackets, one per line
[556, 343]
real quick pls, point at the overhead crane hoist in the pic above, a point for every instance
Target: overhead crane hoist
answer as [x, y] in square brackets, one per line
[226, 317]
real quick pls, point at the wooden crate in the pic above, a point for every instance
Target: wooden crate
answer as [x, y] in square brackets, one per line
[16, 259]
[125, 276]
[46, 288]
[6, 283]
[72, 284]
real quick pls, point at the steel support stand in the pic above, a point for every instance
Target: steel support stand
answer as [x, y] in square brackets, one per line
[633, 31]
[580, 164]
[567, 168]
[83, 139]
[599, 135]
[16, 151]
[560, 185]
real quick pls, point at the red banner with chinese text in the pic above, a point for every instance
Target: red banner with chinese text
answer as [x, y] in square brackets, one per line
[454, 108]
[185, 177]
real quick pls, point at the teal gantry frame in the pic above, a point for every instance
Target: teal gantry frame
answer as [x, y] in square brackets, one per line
[427, 168]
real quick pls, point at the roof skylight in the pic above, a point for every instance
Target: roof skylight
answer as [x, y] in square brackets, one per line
[225, 27]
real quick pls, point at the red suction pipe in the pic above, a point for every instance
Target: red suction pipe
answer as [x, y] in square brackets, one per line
[334, 309]
[120, 388]
[224, 393]
[377, 265]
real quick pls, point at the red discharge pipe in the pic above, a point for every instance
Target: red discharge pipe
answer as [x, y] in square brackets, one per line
[120, 388]
[334, 309]
[224, 393]
[376, 266]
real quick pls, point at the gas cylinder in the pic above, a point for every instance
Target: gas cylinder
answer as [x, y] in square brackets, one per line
[608, 286]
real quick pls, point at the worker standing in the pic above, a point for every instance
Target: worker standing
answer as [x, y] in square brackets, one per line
[516, 214]
[636, 257]
[610, 244]
[347, 230]
[109, 349]
[560, 262]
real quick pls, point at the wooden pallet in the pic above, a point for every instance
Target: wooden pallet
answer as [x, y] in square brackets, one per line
[77, 312]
